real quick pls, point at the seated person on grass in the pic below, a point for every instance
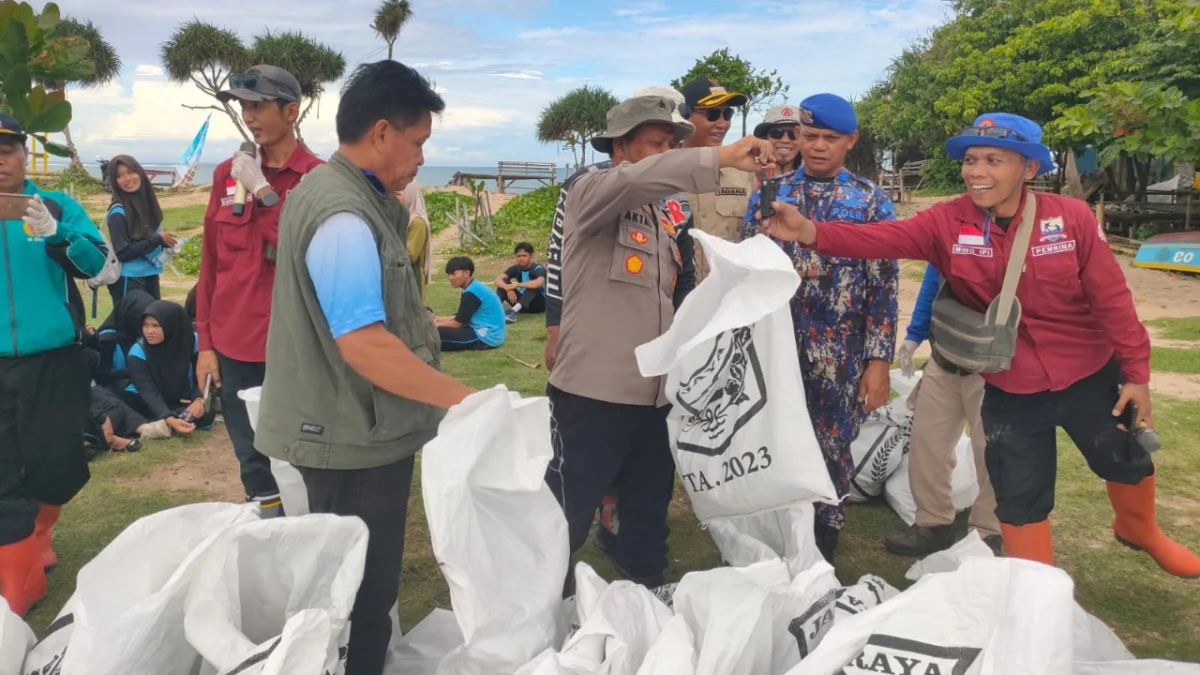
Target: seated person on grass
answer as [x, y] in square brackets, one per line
[162, 371]
[479, 322]
[522, 285]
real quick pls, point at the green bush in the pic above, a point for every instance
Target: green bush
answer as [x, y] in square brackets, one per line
[1145, 231]
[72, 177]
[941, 176]
[525, 218]
[440, 205]
[188, 260]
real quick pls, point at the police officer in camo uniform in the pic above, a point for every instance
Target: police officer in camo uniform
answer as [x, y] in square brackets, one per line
[622, 262]
[845, 309]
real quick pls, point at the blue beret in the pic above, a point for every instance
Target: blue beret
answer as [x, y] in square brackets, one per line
[829, 111]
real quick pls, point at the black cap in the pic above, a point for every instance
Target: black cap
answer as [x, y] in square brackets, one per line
[262, 83]
[705, 93]
[11, 129]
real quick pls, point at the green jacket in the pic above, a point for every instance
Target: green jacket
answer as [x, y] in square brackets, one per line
[316, 410]
[34, 273]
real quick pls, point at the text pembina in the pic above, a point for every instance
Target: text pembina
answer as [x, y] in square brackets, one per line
[732, 469]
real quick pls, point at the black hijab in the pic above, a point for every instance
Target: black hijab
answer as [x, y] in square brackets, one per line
[142, 211]
[170, 361]
[126, 318]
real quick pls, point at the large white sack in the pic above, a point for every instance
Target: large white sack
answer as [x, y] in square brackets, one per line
[618, 623]
[964, 483]
[16, 639]
[274, 596]
[818, 618]
[126, 615]
[674, 653]
[970, 546]
[1143, 667]
[423, 648]
[291, 484]
[497, 531]
[880, 448]
[785, 534]
[989, 616]
[742, 441]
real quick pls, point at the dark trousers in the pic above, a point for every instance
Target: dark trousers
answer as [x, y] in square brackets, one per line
[125, 420]
[43, 411]
[532, 301]
[1022, 453]
[460, 339]
[598, 445]
[380, 497]
[256, 468]
[123, 285]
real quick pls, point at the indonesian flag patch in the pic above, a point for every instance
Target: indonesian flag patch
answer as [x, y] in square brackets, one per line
[969, 235]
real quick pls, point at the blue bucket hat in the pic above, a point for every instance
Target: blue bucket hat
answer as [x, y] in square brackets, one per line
[1004, 130]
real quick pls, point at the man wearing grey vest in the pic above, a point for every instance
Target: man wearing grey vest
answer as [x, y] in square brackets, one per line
[622, 262]
[353, 389]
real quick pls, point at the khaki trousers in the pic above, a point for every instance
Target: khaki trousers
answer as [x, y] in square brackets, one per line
[943, 404]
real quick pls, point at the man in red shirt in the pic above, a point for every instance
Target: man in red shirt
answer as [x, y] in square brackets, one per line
[1081, 356]
[237, 263]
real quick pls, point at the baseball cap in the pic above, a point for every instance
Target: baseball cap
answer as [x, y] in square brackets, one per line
[634, 112]
[705, 93]
[262, 83]
[10, 129]
[780, 114]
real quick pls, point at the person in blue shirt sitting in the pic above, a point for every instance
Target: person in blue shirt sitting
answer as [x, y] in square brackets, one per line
[162, 370]
[479, 321]
[522, 285]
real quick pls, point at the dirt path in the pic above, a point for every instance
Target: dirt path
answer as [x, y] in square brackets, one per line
[210, 467]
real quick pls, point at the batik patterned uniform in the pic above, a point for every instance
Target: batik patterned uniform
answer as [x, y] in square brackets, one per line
[844, 313]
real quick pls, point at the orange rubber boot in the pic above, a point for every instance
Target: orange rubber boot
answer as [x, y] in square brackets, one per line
[1029, 542]
[43, 532]
[22, 579]
[1136, 527]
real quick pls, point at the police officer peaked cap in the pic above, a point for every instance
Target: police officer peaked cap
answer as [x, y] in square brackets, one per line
[634, 112]
[829, 111]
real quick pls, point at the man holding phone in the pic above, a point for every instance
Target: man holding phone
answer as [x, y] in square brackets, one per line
[47, 241]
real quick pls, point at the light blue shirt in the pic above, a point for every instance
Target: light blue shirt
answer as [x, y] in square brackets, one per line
[343, 263]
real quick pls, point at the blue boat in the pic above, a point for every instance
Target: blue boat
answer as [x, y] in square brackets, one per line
[1175, 251]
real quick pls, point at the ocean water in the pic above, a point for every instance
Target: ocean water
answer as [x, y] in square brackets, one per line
[429, 176]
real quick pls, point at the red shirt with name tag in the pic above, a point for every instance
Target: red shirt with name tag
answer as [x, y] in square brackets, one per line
[1076, 310]
[233, 295]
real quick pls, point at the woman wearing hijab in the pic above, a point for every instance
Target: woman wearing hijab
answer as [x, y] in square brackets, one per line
[420, 239]
[135, 227]
[162, 370]
[116, 337]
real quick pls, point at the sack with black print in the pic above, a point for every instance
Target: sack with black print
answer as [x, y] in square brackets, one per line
[739, 427]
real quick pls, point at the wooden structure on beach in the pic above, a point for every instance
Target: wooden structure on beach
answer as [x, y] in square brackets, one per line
[507, 173]
[900, 184]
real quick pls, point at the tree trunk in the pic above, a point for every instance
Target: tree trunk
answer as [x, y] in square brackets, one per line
[76, 163]
[391, 44]
[745, 111]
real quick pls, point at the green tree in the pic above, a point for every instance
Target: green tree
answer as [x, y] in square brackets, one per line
[390, 18]
[104, 58]
[30, 52]
[575, 118]
[206, 56]
[736, 74]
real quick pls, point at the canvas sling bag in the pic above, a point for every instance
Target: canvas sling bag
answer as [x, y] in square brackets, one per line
[984, 342]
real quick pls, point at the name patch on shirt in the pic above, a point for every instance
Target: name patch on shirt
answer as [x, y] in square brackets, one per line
[1050, 249]
[310, 428]
[731, 192]
[977, 251]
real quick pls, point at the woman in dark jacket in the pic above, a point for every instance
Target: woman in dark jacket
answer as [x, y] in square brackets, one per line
[162, 368]
[135, 227]
[116, 337]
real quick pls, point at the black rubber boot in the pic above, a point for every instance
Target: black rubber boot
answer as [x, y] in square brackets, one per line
[827, 541]
[919, 541]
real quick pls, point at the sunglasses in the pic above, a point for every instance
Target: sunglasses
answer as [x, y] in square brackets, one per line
[777, 133]
[992, 132]
[246, 81]
[714, 114]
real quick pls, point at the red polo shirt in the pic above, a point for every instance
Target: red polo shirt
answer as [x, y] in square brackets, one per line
[233, 295]
[1076, 310]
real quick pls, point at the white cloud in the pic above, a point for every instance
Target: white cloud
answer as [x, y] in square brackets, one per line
[153, 71]
[523, 75]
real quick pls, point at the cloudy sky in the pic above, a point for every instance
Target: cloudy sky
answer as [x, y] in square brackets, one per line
[497, 63]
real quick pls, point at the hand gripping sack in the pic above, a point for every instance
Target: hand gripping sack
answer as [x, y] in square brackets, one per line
[742, 438]
[126, 615]
[273, 597]
[498, 533]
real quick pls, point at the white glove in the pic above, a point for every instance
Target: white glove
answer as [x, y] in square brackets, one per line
[247, 170]
[907, 349]
[40, 222]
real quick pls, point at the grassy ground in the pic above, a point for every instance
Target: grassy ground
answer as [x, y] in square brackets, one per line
[1177, 329]
[1156, 615]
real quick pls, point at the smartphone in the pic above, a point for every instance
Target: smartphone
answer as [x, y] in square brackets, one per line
[208, 392]
[767, 193]
[13, 206]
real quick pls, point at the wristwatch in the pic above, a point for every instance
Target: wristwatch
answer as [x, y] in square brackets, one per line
[268, 200]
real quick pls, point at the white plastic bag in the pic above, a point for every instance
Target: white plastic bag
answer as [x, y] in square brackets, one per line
[291, 484]
[989, 616]
[970, 546]
[741, 440]
[423, 648]
[16, 639]
[497, 531]
[785, 534]
[964, 484]
[835, 605]
[274, 596]
[126, 615]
